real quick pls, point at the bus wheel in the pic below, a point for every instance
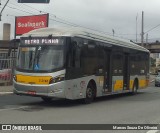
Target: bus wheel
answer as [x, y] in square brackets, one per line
[135, 88]
[46, 99]
[89, 95]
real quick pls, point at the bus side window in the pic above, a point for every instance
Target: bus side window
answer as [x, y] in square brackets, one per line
[117, 64]
[76, 51]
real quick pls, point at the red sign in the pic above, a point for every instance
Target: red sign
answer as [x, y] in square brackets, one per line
[25, 24]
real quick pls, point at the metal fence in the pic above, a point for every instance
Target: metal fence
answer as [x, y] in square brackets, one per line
[7, 65]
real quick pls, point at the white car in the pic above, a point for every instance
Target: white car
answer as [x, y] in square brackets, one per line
[157, 80]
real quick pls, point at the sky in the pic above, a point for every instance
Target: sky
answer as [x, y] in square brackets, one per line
[102, 15]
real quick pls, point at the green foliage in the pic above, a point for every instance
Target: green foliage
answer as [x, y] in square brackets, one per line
[153, 62]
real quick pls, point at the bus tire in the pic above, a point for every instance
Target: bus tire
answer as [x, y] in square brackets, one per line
[135, 87]
[90, 93]
[46, 99]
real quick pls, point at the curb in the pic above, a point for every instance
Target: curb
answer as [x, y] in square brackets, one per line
[6, 90]
[5, 93]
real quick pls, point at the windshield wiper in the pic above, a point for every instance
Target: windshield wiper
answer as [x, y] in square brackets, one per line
[30, 60]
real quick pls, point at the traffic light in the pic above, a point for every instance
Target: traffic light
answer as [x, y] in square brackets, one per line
[33, 1]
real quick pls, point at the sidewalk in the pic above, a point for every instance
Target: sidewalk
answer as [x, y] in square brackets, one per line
[6, 89]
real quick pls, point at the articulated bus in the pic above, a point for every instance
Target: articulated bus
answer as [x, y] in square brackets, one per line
[74, 63]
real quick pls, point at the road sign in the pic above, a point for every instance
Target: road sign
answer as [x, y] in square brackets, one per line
[33, 1]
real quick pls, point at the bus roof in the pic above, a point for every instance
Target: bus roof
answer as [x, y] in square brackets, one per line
[85, 33]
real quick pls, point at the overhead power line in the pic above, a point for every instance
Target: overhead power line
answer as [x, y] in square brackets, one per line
[31, 7]
[19, 9]
[3, 9]
[152, 28]
[60, 20]
[63, 21]
[53, 17]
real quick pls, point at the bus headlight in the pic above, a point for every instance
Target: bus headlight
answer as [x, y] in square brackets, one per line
[56, 79]
[15, 78]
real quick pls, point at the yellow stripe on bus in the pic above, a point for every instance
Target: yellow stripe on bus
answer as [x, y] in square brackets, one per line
[131, 84]
[143, 83]
[118, 85]
[43, 80]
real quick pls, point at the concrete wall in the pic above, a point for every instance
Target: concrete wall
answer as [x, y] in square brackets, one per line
[6, 31]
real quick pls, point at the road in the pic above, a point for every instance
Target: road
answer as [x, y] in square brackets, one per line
[142, 108]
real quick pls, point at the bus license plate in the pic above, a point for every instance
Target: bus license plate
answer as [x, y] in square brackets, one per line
[31, 92]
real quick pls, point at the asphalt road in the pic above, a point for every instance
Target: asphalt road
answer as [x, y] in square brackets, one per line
[142, 108]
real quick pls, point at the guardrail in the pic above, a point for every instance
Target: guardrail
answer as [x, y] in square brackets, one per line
[6, 67]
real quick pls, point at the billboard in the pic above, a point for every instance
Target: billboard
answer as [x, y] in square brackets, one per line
[24, 24]
[33, 1]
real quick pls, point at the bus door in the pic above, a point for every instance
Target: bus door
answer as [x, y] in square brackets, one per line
[107, 83]
[126, 76]
[117, 71]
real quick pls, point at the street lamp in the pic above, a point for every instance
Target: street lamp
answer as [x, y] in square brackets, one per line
[142, 33]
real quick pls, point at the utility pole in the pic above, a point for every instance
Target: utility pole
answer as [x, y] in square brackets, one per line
[136, 26]
[3, 9]
[142, 33]
[113, 31]
[147, 38]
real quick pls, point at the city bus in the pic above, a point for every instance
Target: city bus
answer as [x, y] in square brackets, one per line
[75, 63]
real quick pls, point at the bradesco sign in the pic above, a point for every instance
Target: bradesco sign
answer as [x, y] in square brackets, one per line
[25, 24]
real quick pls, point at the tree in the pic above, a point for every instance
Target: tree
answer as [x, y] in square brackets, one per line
[153, 62]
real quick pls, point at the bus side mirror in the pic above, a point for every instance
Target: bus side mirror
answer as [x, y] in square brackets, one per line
[75, 54]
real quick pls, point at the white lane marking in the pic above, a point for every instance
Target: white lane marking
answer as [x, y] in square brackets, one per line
[4, 93]
[153, 131]
[14, 108]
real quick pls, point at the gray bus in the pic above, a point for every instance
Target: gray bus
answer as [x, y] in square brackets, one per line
[75, 63]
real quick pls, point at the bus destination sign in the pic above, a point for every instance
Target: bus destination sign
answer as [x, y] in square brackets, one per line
[40, 41]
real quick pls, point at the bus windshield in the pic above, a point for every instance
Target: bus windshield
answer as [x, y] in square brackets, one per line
[40, 57]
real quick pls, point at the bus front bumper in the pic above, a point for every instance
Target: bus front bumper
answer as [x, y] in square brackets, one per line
[54, 90]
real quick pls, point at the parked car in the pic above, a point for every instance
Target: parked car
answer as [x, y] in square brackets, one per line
[157, 80]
